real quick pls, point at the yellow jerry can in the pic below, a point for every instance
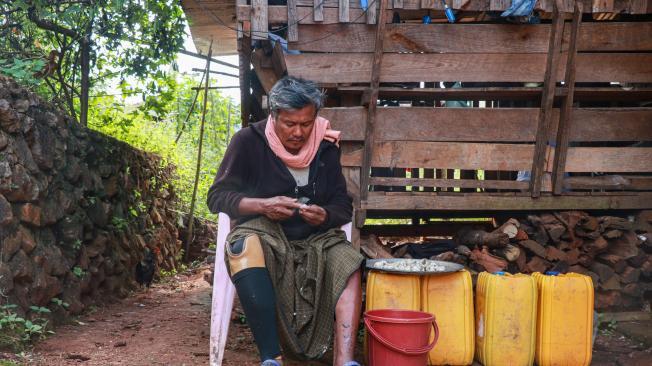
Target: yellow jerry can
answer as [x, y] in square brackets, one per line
[505, 318]
[564, 319]
[392, 291]
[449, 297]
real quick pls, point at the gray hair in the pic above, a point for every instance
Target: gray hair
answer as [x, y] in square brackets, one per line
[291, 93]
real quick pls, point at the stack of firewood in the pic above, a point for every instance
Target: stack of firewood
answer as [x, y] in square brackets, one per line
[613, 251]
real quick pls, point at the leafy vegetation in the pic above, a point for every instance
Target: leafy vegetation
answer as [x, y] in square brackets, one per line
[65, 48]
[135, 94]
[16, 332]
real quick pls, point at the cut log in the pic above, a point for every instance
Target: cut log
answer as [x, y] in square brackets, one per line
[630, 275]
[603, 271]
[489, 262]
[510, 252]
[585, 260]
[607, 299]
[625, 246]
[561, 267]
[573, 256]
[465, 251]
[537, 264]
[510, 228]
[521, 261]
[521, 235]
[555, 231]
[540, 234]
[612, 222]
[533, 247]
[595, 247]
[374, 248]
[612, 234]
[612, 284]
[632, 289]
[586, 272]
[614, 261]
[638, 260]
[589, 223]
[479, 238]
[554, 254]
[646, 269]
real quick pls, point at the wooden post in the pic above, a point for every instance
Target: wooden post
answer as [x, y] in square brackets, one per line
[259, 25]
[228, 125]
[244, 58]
[318, 10]
[191, 215]
[85, 78]
[563, 130]
[372, 14]
[293, 27]
[371, 112]
[545, 111]
[343, 11]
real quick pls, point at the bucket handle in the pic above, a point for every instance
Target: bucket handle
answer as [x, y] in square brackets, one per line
[405, 351]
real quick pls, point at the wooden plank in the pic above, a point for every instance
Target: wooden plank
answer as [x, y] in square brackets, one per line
[490, 203]
[352, 68]
[453, 155]
[372, 13]
[603, 6]
[544, 121]
[475, 124]
[266, 75]
[609, 159]
[476, 38]
[449, 183]
[371, 110]
[610, 182]
[343, 12]
[318, 11]
[563, 129]
[259, 24]
[633, 94]
[499, 5]
[292, 21]
[604, 124]
[437, 228]
[278, 61]
[398, 4]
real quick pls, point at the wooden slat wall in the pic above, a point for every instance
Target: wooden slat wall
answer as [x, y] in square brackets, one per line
[355, 67]
[474, 38]
[508, 157]
[475, 125]
[491, 203]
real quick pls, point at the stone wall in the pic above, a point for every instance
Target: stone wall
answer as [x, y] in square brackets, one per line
[77, 208]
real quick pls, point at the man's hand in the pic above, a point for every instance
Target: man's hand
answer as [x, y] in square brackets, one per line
[312, 214]
[279, 208]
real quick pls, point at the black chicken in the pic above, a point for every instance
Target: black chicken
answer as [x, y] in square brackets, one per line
[145, 269]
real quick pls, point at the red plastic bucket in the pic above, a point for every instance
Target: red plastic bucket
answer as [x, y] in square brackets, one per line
[399, 337]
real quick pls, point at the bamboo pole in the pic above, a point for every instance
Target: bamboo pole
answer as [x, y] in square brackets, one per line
[191, 215]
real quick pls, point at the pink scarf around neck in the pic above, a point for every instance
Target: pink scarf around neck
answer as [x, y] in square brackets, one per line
[321, 131]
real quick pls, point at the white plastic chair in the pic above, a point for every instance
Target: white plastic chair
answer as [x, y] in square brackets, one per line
[224, 292]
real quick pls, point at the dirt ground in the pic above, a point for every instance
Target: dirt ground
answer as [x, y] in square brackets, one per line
[169, 325]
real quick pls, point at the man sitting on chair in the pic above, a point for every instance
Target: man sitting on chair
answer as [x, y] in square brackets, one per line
[293, 269]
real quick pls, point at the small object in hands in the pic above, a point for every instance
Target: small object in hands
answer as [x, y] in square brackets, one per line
[304, 200]
[449, 12]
